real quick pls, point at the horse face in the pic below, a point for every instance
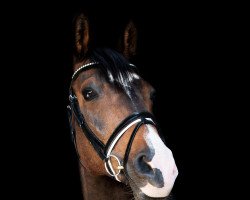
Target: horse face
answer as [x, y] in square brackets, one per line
[151, 169]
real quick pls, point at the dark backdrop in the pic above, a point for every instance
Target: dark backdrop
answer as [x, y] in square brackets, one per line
[181, 48]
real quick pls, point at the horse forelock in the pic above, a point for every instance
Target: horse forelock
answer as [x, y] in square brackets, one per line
[115, 68]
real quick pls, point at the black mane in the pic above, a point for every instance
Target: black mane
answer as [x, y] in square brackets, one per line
[114, 66]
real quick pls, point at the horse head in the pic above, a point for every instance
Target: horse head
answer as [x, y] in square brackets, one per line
[113, 126]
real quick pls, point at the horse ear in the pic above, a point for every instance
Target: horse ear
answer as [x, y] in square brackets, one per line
[130, 40]
[81, 35]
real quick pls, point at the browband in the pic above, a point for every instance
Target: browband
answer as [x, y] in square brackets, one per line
[83, 67]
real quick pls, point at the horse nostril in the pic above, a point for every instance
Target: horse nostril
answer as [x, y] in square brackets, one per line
[145, 170]
[143, 167]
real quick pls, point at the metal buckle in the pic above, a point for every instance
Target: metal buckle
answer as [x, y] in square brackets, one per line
[112, 172]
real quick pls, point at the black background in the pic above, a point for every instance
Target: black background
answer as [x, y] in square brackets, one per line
[182, 51]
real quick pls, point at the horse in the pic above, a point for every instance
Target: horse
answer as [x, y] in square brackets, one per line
[120, 150]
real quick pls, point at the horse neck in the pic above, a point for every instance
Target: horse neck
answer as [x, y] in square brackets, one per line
[102, 187]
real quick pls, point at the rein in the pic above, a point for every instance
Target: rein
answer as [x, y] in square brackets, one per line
[105, 151]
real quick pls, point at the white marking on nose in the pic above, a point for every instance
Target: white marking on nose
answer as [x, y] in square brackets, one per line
[162, 160]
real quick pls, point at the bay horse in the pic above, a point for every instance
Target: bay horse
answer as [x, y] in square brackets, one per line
[121, 154]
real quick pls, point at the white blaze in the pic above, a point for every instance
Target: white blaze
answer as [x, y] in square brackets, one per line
[162, 160]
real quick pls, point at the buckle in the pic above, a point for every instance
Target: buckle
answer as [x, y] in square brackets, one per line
[109, 168]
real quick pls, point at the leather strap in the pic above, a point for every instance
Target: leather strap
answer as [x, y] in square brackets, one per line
[96, 143]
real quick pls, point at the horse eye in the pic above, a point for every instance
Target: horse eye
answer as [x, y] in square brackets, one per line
[89, 94]
[153, 96]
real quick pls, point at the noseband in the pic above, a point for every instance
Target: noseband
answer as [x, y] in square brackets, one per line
[105, 151]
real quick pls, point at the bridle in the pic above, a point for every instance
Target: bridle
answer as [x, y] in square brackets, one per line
[105, 151]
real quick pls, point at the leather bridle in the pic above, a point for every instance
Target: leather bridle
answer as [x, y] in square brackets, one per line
[105, 151]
